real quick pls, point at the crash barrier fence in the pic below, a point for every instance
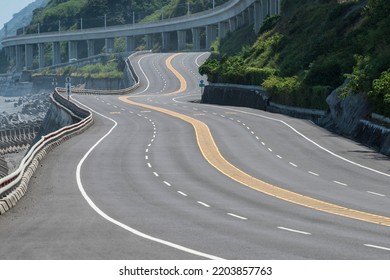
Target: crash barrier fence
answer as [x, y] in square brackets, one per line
[14, 186]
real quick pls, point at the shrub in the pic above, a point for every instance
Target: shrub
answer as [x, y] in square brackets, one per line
[380, 94]
[283, 90]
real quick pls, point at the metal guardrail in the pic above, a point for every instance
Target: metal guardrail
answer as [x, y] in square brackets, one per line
[117, 91]
[14, 186]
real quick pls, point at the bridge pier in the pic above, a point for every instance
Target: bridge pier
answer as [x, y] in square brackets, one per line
[19, 57]
[29, 55]
[274, 7]
[265, 6]
[195, 38]
[91, 47]
[165, 38]
[181, 39]
[204, 32]
[41, 55]
[130, 43]
[12, 52]
[233, 24]
[240, 20]
[149, 41]
[72, 50]
[110, 45]
[56, 53]
[211, 35]
[222, 29]
[258, 16]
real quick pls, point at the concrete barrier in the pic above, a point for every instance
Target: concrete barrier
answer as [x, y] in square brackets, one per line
[235, 95]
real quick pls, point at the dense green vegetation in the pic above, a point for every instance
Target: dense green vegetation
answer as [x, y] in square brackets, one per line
[71, 14]
[301, 56]
[112, 69]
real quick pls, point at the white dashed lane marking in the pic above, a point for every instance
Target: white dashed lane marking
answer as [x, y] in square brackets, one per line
[377, 194]
[203, 204]
[294, 230]
[237, 216]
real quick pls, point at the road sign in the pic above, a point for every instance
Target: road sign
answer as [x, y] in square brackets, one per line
[68, 86]
[201, 84]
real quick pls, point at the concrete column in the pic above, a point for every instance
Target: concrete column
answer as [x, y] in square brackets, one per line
[258, 16]
[56, 53]
[273, 7]
[7, 52]
[41, 55]
[19, 57]
[195, 38]
[245, 17]
[211, 35]
[165, 38]
[279, 9]
[251, 16]
[181, 39]
[222, 29]
[265, 7]
[110, 45]
[233, 24]
[239, 20]
[91, 47]
[149, 42]
[29, 56]
[72, 48]
[12, 53]
[130, 43]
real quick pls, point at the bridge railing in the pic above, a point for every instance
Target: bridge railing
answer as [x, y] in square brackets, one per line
[210, 12]
[14, 186]
[124, 91]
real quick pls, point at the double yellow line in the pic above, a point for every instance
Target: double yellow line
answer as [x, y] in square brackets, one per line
[212, 154]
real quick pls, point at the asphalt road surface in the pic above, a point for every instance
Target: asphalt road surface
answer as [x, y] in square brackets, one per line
[147, 181]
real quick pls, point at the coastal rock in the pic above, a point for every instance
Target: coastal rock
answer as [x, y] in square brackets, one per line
[345, 112]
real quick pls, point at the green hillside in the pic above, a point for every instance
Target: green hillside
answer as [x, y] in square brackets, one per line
[68, 14]
[301, 56]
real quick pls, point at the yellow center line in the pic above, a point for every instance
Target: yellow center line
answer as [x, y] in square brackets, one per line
[183, 82]
[212, 154]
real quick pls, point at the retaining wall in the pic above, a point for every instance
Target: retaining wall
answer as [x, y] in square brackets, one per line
[344, 117]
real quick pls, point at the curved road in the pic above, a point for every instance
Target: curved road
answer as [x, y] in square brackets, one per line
[139, 184]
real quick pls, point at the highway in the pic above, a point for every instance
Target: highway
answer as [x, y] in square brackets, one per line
[161, 176]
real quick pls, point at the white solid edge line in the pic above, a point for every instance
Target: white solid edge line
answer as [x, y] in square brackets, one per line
[196, 60]
[377, 247]
[306, 138]
[147, 80]
[112, 220]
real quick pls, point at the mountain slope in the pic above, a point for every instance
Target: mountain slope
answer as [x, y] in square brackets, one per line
[22, 18]
[301, 56]
[67, 14]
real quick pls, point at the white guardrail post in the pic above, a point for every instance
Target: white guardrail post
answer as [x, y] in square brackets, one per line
[14, 186]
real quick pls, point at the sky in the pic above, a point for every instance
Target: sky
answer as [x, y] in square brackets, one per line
[10, 7]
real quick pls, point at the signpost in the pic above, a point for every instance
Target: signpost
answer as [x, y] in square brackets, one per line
[68, 86]
[201, 85]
